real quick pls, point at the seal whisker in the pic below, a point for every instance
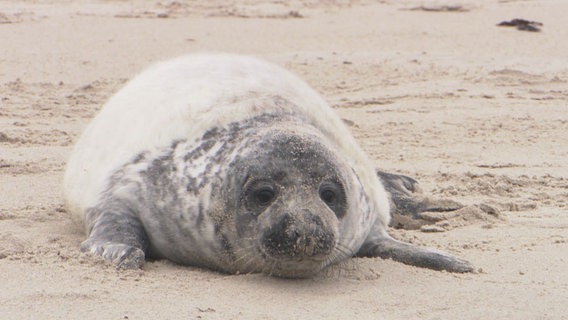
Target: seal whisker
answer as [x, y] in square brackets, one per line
[246, 258]
[339, 253]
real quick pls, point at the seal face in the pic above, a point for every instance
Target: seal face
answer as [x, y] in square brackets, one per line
[233, 164]
[288, 199]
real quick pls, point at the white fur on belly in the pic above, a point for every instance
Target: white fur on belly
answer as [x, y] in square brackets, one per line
[183, 98]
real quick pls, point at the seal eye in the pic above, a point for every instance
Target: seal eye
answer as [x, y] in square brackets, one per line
[259, 195]
[328, 196]
[264, 195]
[333, 195]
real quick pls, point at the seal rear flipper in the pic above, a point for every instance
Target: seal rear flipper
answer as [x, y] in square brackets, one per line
[410, 208]
[118, 237]
[388, 248]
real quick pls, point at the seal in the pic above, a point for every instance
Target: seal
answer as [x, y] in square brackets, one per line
[234, 164]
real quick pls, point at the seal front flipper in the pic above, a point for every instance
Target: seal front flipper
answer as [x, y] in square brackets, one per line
[116, 236]
[384, 246]
[409, 208]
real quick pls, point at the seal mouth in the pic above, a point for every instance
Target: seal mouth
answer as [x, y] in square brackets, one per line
[294, 269]
[293, 246]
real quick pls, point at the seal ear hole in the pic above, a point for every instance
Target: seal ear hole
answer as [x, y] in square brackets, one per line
[333, 195]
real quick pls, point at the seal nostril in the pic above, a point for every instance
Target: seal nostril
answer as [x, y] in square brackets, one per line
[281, 236]
[314, 219]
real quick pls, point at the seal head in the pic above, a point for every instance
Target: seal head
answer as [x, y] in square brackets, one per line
[286, 211]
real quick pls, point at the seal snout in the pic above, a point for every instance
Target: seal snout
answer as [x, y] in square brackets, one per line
[298, 236]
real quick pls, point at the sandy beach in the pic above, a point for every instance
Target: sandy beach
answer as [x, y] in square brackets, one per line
[476, 112]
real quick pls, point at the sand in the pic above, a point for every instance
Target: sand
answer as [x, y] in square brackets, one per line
[432, 89]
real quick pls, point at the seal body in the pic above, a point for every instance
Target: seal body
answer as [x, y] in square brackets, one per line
[230, 163]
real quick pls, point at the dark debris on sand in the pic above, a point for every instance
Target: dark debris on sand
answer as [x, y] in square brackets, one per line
[522, 24]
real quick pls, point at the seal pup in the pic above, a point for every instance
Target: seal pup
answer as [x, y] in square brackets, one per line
[234, 164]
